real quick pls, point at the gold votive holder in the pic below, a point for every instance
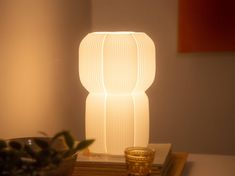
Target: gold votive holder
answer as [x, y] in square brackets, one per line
[139, 160]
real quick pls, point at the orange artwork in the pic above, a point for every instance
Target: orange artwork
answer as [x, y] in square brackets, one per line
[206, 25]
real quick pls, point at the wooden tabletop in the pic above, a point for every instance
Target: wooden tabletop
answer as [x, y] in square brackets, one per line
[185, 164]
[179, 160]
[209, 165]
[176, 169]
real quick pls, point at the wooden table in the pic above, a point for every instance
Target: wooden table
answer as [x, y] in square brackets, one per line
[185, 164]
[209, 165]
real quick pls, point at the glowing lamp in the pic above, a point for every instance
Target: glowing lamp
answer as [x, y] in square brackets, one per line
[116, 68]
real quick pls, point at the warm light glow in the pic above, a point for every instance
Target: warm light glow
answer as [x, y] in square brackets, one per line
[116, 68]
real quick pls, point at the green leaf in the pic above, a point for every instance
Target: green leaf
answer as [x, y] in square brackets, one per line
[69, 140]
[3, 144]
[43, 133]
[84, 144]
[69, 153]
[57, 159]
[30, 151]
[42, 155]
[58, 135]
[41, 143]
[67, 137]
[15, 145]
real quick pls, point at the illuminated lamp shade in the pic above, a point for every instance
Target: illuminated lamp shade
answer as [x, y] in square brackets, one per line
[116, 68]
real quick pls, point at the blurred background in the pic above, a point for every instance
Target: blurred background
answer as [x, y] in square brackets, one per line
[191, 101]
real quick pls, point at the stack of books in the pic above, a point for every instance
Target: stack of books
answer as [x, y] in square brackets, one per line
[106, 165]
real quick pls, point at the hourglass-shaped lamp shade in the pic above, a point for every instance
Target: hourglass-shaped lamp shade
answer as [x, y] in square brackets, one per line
[116, 68]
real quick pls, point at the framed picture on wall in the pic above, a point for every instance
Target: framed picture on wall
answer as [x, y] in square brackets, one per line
[206, 25]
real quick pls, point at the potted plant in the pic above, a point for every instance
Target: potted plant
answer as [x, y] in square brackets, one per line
[40, 156]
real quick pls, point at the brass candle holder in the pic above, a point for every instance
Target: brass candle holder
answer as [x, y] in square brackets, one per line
[139, 160]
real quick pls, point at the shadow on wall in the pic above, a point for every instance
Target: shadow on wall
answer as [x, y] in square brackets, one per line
[39, 85]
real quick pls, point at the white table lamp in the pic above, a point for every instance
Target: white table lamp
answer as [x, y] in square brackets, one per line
[117, 68]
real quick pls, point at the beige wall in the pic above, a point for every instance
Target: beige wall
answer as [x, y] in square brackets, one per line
[192, 100]
[39, 90]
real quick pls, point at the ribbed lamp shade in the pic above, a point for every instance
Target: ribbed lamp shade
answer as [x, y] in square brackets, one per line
[116, 68]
